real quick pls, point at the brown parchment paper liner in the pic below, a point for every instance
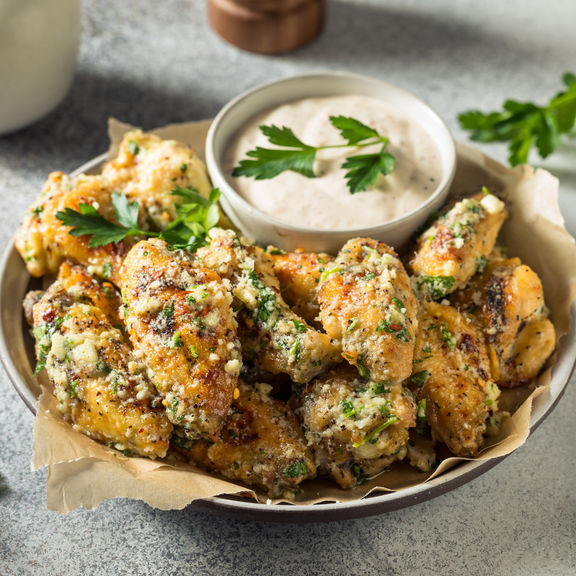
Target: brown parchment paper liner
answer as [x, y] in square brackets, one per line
[83, 473]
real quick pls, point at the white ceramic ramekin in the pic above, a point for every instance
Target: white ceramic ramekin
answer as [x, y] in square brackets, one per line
[39, 41]
[265, 229]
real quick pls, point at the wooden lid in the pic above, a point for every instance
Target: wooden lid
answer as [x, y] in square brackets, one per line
[267, 26]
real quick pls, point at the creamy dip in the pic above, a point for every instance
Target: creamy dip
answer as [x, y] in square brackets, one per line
[325, 202]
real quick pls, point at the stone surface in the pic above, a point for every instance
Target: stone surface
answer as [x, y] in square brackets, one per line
[150, 63]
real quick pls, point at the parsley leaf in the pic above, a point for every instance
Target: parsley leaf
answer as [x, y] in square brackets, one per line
[196, 215]
[88, 221]
[525, 124]
[296, 156]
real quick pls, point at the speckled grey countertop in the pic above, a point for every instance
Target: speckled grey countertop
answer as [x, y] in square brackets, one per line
[151, 63]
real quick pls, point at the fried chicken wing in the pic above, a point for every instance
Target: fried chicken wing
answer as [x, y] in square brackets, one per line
[147, 169]
[366, 303]
[508, 300]
[179, 316]
[451, 379]
[273, 336]
[358, 427]
[101, 384]
[261, 444]
[299, 276]
[457, 244]
[44, 242]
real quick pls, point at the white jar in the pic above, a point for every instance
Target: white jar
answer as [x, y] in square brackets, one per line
[39, 42]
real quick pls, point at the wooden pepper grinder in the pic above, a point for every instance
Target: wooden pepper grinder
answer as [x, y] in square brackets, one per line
[267, 26]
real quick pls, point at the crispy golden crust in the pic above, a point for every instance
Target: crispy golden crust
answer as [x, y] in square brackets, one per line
[299, 275]
[452, 377]
[450, 252]
[356, 426]
[147, 169]
[273, 336]
[508, 301]
[179, 316]
[44, 242]
[367, 304]
[261, 444]
[100, 383]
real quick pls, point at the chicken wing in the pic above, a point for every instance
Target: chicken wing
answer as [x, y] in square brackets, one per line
[508, 300]
[457, 244]
[261, 444]
[179, 315]
[451, 379]
[367, 304]
[358, 426]
[273, 336]
[101, 384]
[44, 242]
[299, 276]
[147, 169]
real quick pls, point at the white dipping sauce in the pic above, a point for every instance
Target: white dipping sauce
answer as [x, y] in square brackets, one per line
[325, 202]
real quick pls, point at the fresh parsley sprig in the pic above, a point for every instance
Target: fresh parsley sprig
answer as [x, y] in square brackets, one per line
[524, 124]
[296, 156]
[195, 216]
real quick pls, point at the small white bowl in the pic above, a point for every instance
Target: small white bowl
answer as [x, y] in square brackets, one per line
[265, 229]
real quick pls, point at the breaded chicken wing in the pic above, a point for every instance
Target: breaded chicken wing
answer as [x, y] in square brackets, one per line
[44, 242]
[273, 336]
[179, 316]
[101, 384]
[261, 444]
[508, 300]
[451, 379]
[358, 426]
[366, 303]
[299, 275]
[457, 244]
[147, 169]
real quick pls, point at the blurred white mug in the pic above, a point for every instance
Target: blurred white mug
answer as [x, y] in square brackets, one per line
[39, 42]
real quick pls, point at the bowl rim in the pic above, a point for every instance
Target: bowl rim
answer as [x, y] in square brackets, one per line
[234, 198]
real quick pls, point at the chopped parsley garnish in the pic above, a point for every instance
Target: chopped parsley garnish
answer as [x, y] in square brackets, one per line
[348, 409]
[301, 327]
[419, 378]
[372, 436]
[266, 297]
[447, 337]
[361, 367]
[168, 311]
[481, 263]
[329, 271]
[435, 286]
[133, 147]
[176, 341]
[294, 155]
[295, 469]
[361, 477]
[353, 323]
[421, 417]
[295, 350]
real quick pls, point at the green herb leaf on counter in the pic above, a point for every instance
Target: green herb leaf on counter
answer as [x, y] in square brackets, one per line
[296, 156]
[196, 215]
[524, 124]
